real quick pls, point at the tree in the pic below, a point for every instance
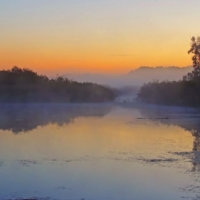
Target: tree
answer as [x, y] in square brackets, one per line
[25, 85]
[195, 51]
[184, 92]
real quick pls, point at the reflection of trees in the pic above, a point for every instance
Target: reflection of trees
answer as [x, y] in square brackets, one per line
[196, 135]
[196, 149]
[25, 117]
[188, 119]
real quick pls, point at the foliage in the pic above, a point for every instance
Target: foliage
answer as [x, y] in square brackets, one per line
[25, 85]
[182, 93]
[195, 50]
[185, 92]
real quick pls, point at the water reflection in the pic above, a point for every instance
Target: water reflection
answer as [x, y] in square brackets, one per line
[26, 117]
[101, 155]
[188, 119]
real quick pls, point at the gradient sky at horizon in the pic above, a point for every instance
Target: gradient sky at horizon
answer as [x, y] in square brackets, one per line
[98, 36]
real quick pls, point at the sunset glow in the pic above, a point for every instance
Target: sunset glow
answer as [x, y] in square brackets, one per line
[96, 36]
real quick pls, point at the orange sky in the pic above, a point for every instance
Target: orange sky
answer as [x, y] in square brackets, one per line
[98, 37]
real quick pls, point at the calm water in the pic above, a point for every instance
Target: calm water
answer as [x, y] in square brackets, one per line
[99, 152]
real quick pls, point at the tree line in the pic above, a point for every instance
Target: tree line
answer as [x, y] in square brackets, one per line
[25, 85]
[185, 92]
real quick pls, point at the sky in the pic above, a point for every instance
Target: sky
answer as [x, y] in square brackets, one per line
[97, 36]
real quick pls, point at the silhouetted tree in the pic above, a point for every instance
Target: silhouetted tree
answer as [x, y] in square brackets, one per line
[195, 51]
[25, 85]
[185, 92]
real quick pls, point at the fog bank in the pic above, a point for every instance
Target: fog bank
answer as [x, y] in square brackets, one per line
[135, 77]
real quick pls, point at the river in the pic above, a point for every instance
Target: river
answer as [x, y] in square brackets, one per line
[99, 152]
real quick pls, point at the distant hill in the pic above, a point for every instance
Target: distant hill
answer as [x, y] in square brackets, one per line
[159, 73]
[135, 77]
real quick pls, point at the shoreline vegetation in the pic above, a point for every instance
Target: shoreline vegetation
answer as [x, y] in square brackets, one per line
[185, 92]
[26, 86]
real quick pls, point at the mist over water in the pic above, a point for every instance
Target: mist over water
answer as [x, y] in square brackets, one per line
[99, 151]
[135, 77]
[81, 89]
[22, 118]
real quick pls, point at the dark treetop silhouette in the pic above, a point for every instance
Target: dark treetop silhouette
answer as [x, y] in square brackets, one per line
[24, 85]
[185, 92]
